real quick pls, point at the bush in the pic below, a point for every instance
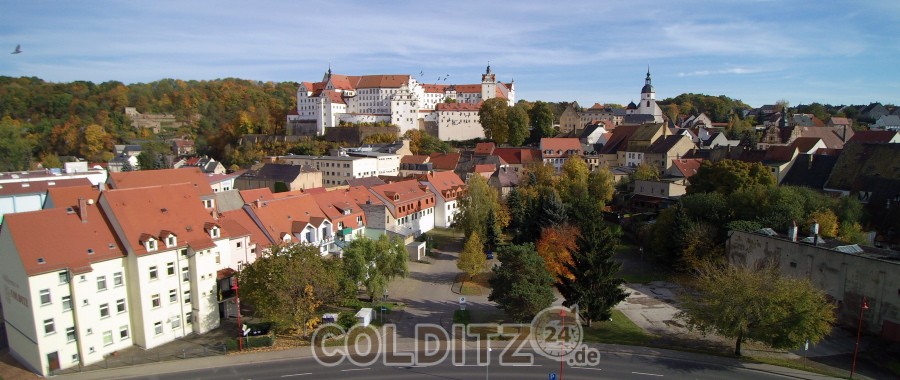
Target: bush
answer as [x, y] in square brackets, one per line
[346, 320]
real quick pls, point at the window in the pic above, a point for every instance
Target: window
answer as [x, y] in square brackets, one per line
[117, 279]
[170, 241]
[104, 310]
[123, 332]
[154, 300]
[154, 274]
[67, 303]
[120, 306]
[49, 327]
[107, 338]
[151, 245]
[45, 297]
[101, 283]
[63, 278]
[238, 244]
[74, 358]
[70, 334]
[157, 328]
[170, 269]
[173, 296]
[185, 274]
[188, 318]
[176, 322]
[186, 296]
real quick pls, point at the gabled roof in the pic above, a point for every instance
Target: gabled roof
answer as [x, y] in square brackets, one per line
[619, 139]
[34, 187]
[278, 172]
[518, 156]
[444, 161]
[55, 239]
[444, 182]
[560, 146]
[144, 178]
[687, 166]
[414, 159]
[484, 149]
[840, 121]
[62, 197]
[860, 161]
[779, 153]
[400, 192]
[365, 181]
[828, 136]
[336, 202]
[874, 136]
[810, 171]
[665, 144]
[485, 168]
[252, 195]
[805, 144]
[149, 210]
[287, 215]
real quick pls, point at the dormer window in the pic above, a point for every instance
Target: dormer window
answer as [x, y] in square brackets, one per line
[171, 241]
[150, 245]
[214, 232]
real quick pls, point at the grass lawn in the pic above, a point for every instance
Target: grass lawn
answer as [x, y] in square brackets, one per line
[801, 364]
[445, 238]
[620, 330]
[476, 286]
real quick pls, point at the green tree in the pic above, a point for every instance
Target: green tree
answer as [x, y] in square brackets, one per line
[551, 210]
[476, 208]
[728, 176]
[852, 233]
[541, 116]
[472, 259]
[757, 304]
[15, 147]
[601, 185]
[594, 286]
[828, 222]
[645, 172]
[95, 141]
[374, 263]
[521, 285]
[519, 123]
[288, 285]
[494, 119]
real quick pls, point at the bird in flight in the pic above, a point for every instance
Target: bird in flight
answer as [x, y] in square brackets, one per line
[18, 50]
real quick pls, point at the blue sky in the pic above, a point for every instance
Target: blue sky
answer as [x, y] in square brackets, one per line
[757, 51]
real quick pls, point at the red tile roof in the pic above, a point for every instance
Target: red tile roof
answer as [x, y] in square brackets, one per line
[597, 106]
[448, 184]
[232, 219]
[152, 210]
[468, 89]
[406, 197]
[805, 144]
[840, 121]
[687, 166]
[287, 215]
[444, 161]
[435, 88]
[335, 97]
[62, 197]
[144, 178]
[414, 159]
[485, 168]
[55, 239]
[779, 153]
[560, 147]
[518, 156]
[484, 149]
[32, 187]
[342, 206]
[250, 196]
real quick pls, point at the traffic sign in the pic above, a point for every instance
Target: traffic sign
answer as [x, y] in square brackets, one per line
[552, 375]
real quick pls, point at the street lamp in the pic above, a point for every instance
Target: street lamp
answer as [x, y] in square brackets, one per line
[862, 308]
[487, 367]
[237, 303]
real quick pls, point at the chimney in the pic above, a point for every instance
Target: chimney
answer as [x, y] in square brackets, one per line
[815, 232]
[82, 209]
[792, 232]
[258, 205]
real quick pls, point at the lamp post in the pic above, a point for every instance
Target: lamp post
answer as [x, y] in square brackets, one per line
[237, 303]
[862, 308]
[562, 342]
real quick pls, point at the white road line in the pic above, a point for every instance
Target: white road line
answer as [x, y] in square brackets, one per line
[297, 374]
[648, 374]
[526, 365]
[590, 368]
[355, 369]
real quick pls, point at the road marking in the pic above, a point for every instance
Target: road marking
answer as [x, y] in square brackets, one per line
[297, 374]
[592, 369]
[648, 374]
[355, 369]
[526, 365]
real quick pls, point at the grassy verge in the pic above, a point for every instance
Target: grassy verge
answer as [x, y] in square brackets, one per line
[620, 330]
[475, 286]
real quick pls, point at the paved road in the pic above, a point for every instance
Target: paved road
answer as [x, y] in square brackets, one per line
[613, 366]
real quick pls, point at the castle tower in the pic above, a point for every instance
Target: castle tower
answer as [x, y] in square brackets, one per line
[488, 84]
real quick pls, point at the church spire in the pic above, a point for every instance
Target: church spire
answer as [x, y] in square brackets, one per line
[488, 68]
[647, 81]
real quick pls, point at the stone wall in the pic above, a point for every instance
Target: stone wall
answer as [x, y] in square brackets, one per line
[845, 277]
[356, 134]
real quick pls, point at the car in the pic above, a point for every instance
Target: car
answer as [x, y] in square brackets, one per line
[490, 255]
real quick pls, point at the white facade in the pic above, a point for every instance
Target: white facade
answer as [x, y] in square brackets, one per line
[337, 169]
[457, 122]
[395, 99]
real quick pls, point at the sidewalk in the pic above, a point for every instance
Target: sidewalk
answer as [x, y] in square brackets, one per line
[170, 367]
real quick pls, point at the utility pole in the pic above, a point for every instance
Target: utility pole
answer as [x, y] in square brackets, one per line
[863, 307]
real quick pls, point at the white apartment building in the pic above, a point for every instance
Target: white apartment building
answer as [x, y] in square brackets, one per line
[447, 188]
[394, 99]
[337, 169]
[409, 208]
[458, 121]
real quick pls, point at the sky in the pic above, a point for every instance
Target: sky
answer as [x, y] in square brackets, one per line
[758, 51]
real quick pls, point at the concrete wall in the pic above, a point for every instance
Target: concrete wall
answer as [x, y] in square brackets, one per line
[844, 277]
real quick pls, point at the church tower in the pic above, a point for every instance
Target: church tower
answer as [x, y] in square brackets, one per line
[647, 92]
[488, 84]
[648, 105]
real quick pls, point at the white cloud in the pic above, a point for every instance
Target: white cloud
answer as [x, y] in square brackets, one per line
[732, 70]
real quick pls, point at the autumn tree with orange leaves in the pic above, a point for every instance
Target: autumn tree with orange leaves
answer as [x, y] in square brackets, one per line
[556, 246]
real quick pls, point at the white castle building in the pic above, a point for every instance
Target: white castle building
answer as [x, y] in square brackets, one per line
[393, 99]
